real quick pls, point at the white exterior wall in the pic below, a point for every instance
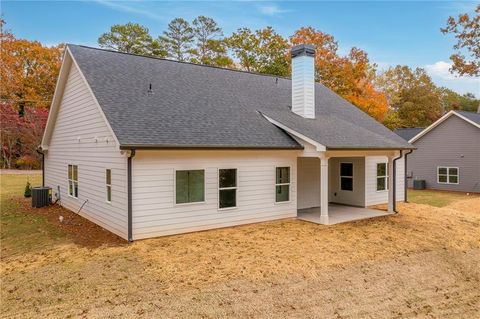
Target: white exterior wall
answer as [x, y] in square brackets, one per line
[155, 212]
[79, 116]
[374, 197]
[308, 182]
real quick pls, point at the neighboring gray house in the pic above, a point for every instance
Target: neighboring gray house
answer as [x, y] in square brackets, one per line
[448, 152]
[148, 147]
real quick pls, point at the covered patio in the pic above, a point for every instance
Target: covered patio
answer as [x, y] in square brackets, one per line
[339, 214]
[340, 186]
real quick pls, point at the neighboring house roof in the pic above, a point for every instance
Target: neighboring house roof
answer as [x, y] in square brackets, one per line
[408, 133]
[208, 107]
[469, 117]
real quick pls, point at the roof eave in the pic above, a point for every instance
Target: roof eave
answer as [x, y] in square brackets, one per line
[206, 147]
[369, 148]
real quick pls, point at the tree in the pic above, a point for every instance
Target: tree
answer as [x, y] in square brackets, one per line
[131, 38]
[178, 39]
[350, 76]
[263, 51]
[453, 101]
[29, 71]
[466, 30]
[412, 96]
[10, 134]
[244, 45]
[21, 135]
[210, 47]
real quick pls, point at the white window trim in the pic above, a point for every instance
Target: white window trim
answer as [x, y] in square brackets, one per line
[227, 188]
[340, 178]
[175, 186]
[386, 177]
[72, 180]
[282, 184]
[448, 175]
[108, 185]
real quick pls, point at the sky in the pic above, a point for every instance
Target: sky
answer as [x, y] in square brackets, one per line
[402, 32]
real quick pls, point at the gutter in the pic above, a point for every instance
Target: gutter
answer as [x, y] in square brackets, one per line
[395, 181]
[40, 151]
[129, 195]
[405, 183]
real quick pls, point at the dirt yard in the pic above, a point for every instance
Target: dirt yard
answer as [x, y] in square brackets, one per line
[421, 263]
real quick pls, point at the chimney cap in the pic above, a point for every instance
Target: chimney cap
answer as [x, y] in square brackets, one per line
[303, 49]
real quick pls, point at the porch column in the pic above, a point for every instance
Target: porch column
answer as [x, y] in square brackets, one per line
[324, 190]
[390, 184]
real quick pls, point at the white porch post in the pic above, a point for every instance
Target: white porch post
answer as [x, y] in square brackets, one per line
[324, 190]
[390, 184]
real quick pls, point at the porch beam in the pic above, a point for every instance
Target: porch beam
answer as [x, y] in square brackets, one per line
[324, 190]
[359, 153]
[390, 185]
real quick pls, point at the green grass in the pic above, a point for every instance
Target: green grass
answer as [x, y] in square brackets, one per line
[22, 231]
[435, 198]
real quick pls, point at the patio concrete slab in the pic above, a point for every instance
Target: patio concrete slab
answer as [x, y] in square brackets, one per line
[339, 214]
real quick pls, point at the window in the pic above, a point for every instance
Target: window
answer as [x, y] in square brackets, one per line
[382, 176]
[447, 175]
[346, 176]
[190, 186]
[282, 184]
[227, 188]
[73, 180]
[108, 184]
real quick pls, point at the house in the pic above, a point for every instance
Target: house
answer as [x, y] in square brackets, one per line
[448, 152]
[148, 147]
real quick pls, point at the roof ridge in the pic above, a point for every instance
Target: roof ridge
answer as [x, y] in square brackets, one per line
[181, 62]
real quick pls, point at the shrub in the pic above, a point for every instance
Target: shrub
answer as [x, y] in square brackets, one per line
[28, 190]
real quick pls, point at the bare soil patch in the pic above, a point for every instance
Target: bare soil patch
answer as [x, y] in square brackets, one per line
[81, 231]
[421, 263]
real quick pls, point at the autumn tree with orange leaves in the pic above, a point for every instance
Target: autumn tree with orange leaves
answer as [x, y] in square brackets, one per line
[28, 71]
[350, 76]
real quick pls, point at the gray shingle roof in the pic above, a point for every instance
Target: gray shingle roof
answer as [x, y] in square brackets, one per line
[474, 117]
[199, 106]
[408, 133]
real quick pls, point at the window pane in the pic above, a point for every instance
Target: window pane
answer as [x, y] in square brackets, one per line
[453, 171]
[381, 184]
[442, 170]
[70, 188]
[346, 184]
[69, 171]
[196, 186]
[181, 187]
[75, 172]
[442, 178]
[109, 193]
[381, 169]
[228, 198]
[227, 178]
[108, 176]
[346, 169]
[453, 179]
[75, 188]
[282, 193]
[283, 175]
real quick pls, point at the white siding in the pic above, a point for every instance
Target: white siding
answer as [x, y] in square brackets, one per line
[336, 194]
[79, 117]
[303, 86]
[374, 197]
[155, 212]
[308, 181]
